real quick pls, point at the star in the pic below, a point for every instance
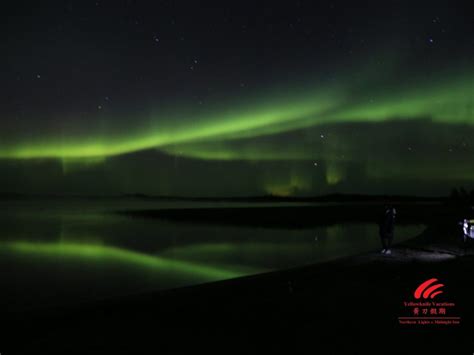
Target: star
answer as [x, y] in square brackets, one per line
[38, 76]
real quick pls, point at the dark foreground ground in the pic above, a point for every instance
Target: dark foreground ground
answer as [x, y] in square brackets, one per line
[343, 307]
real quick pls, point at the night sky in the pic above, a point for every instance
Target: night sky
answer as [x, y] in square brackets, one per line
[236, 98]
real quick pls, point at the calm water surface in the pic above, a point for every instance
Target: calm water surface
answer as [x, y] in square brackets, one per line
[60, 252]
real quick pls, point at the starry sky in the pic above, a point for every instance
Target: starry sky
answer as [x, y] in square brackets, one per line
[237, 98]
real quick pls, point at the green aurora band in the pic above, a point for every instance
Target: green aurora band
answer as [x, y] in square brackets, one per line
[130, 258]
[443, 100]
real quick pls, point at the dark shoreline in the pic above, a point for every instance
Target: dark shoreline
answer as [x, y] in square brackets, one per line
[348, 305]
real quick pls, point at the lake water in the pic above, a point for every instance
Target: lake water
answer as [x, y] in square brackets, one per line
[55, 252]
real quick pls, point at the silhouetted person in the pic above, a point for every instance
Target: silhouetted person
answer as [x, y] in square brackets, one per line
[467, 230]
[386, 229]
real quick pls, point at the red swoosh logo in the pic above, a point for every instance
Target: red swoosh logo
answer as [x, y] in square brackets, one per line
[427, 288]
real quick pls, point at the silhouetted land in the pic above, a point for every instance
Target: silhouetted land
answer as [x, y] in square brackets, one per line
[304, 216]
[263, 198]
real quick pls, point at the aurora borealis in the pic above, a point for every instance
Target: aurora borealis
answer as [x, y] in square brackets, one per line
[190, 175]
[449, 103]
[291, 99]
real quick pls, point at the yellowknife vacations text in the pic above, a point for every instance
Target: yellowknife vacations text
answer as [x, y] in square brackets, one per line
[428, 304]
